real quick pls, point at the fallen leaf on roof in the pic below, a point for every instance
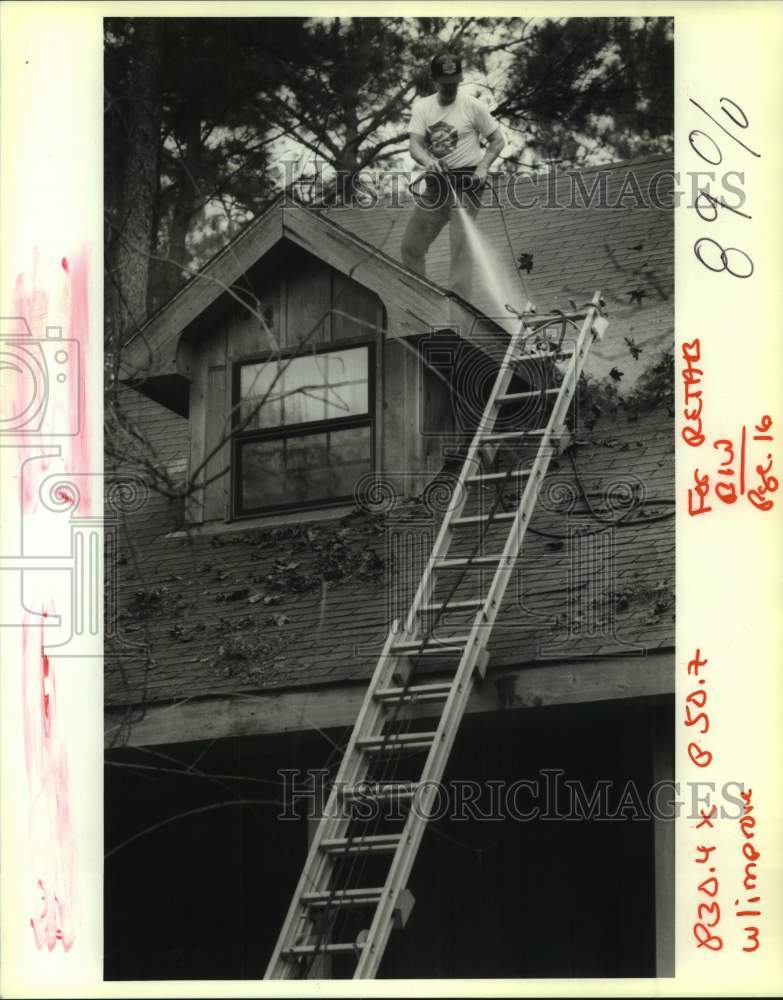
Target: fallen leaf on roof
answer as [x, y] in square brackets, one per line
[234, 595]
[633, 347]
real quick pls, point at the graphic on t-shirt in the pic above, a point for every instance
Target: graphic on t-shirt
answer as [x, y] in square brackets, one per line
[441, 139]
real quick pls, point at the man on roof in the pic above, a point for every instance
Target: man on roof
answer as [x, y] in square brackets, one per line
[446, 131]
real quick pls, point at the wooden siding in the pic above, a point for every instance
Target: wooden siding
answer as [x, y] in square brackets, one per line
[305, 303]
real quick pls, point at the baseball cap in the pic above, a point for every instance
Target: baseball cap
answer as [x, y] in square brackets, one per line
[446, 67]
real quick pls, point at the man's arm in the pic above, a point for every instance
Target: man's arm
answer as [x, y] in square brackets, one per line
[419, 153]
[495, 144]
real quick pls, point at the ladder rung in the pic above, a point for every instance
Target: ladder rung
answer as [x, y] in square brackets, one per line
[512, 397]
[429, 645]
[381, 743]
[475, 561]
[486, 476]
[379, 843]
[433, 651]
[538, 322]
[309, 949]
[478, 518]
[543, 356]
[343, 897]
[418, 692]
[474, 602]
[511, 435]
[387, 790]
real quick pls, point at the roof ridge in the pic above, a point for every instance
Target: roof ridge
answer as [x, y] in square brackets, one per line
[613, 165]
[323, 213]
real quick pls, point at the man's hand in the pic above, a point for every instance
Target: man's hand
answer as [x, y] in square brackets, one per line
[422, 155]
[481, 174]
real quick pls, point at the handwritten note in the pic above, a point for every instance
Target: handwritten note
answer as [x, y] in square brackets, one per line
[733, 468]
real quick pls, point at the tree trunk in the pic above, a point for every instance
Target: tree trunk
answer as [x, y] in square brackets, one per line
[188, 178]
[166, 276]
[346, 165]
[136, 238]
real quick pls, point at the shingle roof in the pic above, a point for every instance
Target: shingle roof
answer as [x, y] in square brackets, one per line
[625, 247]
[201, 615]
[248, 611]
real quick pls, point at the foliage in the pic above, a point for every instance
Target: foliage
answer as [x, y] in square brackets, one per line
[601, 398]
[214, 130]
[249, 104]
[653, 599]
[316, 555]
[580, 85]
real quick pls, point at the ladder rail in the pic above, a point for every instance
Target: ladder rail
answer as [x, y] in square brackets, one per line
[434, 768]
[333, 821]
[300, 933]
[541, 463]
[416, 822]
[459, 496]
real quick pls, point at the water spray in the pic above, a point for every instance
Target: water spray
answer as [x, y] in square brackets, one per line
[483, 253]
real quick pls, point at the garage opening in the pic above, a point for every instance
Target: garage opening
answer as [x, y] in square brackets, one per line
[517, 880]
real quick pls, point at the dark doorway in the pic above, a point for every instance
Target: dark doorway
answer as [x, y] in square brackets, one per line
[202, 896]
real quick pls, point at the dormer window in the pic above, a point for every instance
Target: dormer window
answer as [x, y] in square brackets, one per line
[303, 429]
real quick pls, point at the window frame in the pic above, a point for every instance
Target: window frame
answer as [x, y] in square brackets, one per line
[281, 432]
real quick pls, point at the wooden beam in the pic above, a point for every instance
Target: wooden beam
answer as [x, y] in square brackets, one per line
[198, 435]
[308, 709]
[663, 838]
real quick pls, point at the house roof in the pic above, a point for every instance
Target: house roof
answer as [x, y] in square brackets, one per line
[158, 357]
[304, 605]
[607, 228]
[243, 611]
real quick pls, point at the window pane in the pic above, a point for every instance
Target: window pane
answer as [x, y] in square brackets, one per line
[263, 474]
[312, 387]
[349, 458]
[304, 399]
[304, 468]
[347, 379]
[261, 395]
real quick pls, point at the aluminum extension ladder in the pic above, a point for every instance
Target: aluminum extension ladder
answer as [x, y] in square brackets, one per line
[328, 899]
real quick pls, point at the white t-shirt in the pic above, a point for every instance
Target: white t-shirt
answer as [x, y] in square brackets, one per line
[451, 132]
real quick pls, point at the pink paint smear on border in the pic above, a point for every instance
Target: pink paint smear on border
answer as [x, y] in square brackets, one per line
[49, 817]
[50, 826]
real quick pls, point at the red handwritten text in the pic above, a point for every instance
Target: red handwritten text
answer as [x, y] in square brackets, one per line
[695, 703]
[733, 477]
[747, 907]
[707, 907]
[692, 432]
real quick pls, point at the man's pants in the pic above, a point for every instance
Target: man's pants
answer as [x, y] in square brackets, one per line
[430, 214]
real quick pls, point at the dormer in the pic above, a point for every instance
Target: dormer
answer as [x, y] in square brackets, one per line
[302, 358]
